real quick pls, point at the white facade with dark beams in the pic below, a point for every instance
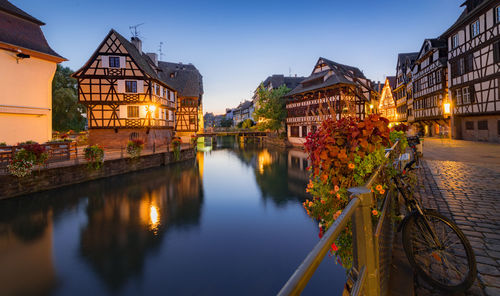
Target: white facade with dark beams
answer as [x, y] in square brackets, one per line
[474, 71]
[430, 88]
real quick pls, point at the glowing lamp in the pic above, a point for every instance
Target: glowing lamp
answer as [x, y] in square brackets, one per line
[152, 108]
[447, 108]
[371, 106]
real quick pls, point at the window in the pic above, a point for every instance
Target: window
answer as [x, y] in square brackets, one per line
[432, 79]
[461, 66]
[482, 125]
[458, 96]
[304, 131]
[294, 131]
[157, 112]
[438, 76]
[469, 125]
[474, 28]
[497, 19]
[131, 86]
[192, 119]
[465, 95]
[157, 89]
[454, 41]
[496, 52]
[114, 62]
[133, 111]
[469, 61]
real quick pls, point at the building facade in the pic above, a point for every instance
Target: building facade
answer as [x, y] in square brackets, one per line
[430, 88]
[332, 90]
[125, 96]
[474, 71]
[188, 83]
[402, 90]
[27, 67]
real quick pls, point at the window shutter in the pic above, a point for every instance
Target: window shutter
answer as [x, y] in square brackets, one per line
[123, 62]
[105, 61]
[123, 111]
[496, 52]
[120, 86]
[140, 86]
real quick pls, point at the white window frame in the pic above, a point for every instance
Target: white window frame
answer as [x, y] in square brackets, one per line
[454, 41]
[497, 14]
[475, 28]
[465, 95]
[458, 93]
[136, 87]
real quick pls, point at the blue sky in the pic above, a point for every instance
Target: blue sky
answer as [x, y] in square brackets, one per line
[237, 44]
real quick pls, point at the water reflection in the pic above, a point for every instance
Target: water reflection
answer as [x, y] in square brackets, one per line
[180, 230]
[129, 219]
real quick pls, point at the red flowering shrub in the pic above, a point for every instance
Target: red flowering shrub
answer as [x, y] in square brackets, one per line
[343, 154]
[134, 147]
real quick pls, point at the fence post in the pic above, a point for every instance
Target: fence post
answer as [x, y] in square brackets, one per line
[363, 241]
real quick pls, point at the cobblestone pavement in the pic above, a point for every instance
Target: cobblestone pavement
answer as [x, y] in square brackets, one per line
[466, 190]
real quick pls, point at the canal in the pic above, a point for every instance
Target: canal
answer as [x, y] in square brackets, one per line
[230, 222]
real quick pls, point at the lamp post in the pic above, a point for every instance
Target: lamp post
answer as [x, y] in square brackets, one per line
[447, 113]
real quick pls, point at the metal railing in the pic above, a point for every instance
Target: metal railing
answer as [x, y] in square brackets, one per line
[367, 243]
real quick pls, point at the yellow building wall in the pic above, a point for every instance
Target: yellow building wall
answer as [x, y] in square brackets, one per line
[25, 98]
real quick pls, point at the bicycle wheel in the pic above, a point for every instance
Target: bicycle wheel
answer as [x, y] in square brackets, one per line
[446, 262]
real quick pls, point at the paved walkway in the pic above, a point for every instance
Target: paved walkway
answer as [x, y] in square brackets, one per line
[461, 180]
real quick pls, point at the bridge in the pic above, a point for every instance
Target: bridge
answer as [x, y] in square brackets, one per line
[222, 131]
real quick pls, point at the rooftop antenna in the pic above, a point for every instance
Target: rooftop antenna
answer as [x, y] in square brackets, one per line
[290, 71]
[133, 30]
[161, 51]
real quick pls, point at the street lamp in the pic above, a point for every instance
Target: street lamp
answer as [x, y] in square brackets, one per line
[447, 108]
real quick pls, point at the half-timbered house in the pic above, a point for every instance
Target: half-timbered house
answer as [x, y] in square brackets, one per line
[27, 66]
[188, 83]
[403, 107]
[387, 104]
[430, 88]
[332, 90]
[125, 96]
[474, 71]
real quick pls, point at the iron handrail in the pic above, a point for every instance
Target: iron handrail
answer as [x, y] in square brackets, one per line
[298, 281]
[359, 207]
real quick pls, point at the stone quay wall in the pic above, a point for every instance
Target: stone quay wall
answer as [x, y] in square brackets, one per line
[11, 186]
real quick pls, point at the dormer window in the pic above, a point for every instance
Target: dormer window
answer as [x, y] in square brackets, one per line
[474, 28]
[114, 62]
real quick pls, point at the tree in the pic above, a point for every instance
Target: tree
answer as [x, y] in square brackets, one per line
[271, 112]
[66, 111]
[247, 123]
[226, 122]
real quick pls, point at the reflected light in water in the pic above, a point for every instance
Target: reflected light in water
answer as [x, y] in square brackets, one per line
[263, 160]
[154, 218]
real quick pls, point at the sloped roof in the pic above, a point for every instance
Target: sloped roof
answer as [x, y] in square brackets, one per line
[339, 74]
[186, 79]
[468, 14]
[10, 8]
[141, 59]
[20, 29]
[278, 80]
[392, 81]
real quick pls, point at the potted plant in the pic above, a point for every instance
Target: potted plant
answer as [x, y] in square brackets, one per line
[94, 155]
[134, 147]
[176, 143]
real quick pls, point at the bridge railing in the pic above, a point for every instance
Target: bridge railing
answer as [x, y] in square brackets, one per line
[372, 247]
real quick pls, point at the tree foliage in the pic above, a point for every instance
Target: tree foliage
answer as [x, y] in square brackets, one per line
[66, 111]
[271, 113]
[226, 122]
[247, 123]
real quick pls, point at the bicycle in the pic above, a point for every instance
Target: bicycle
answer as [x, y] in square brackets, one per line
[434, 245]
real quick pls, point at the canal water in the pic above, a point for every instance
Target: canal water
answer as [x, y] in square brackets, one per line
[228, 223]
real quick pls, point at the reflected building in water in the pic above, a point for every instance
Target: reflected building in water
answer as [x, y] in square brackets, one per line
[129, 221]
[26, 253]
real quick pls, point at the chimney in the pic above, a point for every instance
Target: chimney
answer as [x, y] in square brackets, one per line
[137, 43]
[154, 57]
